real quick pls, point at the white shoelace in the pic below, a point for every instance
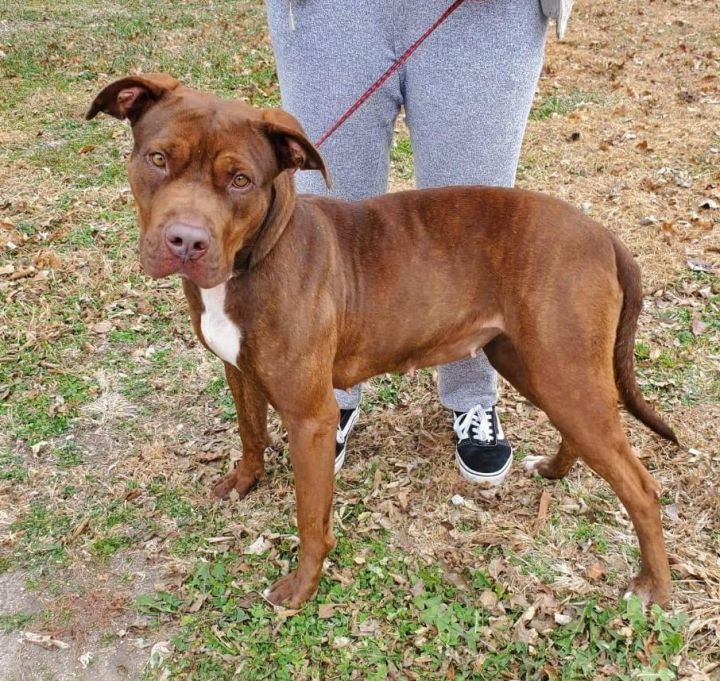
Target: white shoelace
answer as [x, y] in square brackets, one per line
[476, 421]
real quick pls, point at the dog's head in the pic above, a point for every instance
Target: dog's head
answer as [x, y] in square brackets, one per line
[204, 172]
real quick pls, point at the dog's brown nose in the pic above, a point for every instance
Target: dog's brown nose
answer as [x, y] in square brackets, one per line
[187, 242]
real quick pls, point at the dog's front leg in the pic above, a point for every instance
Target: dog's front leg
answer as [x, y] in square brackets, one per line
[251, 408]
[312, 452]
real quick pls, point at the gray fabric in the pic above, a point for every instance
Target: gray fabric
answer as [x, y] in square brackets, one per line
[467, 93]
[560, 11]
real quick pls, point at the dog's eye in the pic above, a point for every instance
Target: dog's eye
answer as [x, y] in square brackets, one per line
[158, 159]
[240, 181]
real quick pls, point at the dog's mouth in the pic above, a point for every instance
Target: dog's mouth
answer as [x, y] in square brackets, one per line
[160, 257]
[200, 272]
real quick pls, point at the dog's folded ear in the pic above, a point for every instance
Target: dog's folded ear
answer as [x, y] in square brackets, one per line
[132, 96]
[292, 147]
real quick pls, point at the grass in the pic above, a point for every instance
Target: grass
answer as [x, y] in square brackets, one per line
[562, 104]
[12, 469]
[114, 424]
[433, 626]
[14, 622]
[41, 531]
[401, 158]
[674, 367]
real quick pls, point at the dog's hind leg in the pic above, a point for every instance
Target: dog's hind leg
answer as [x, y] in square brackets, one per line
[605, 448]
[578, 393]
[506, 361]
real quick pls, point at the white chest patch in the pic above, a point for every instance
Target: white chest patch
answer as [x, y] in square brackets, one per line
[220, 333]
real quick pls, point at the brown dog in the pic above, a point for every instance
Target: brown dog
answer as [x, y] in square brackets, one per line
[298, 295]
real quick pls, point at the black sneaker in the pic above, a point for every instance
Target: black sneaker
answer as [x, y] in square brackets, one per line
[483, 454]
[348, 417]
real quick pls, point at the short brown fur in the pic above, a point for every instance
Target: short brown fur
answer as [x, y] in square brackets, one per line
[328, 293]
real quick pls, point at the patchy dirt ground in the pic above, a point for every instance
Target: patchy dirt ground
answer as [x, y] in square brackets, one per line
[109, 541]
[89, 628]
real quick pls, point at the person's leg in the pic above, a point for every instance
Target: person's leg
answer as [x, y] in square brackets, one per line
[324, 62]
[468, 92]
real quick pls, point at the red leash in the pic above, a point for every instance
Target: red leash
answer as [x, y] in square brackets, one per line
[390, 70]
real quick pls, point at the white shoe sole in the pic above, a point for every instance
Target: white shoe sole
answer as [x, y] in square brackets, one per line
[340, 460]
[492, 480]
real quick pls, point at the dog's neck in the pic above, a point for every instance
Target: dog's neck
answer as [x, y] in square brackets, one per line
[259, 245]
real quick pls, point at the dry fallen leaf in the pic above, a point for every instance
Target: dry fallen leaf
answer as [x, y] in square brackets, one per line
[561, 618]
[521, 630]
[669, 228]
[101, 327]
[340, 642]
[260, 545]
[671, 511]
[247, 600]
[79, 529]
[86, 659]
[211, 456]
[158, 654]
[47, 259]
[22, 273]
[197, 603]
[43, 640]
[418, 588]
[700, 266]
[488, 599]
[377, 480]
[698, 327]
[545, 498]
[284, 613]
[595, 572]
[327, 610]
[403, 500]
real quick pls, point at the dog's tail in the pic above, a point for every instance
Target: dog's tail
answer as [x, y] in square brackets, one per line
[624, 354]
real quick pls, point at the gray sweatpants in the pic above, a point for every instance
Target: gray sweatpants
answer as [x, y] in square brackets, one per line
[467, 93]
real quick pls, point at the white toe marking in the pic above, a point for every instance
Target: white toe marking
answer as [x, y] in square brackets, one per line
[266, 596]
[531, 463]
[219, 331]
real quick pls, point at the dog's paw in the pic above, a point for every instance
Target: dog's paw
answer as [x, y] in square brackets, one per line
[241, 479]
[290, 591]
[532, 463]
[547, 467]
[649, 590]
